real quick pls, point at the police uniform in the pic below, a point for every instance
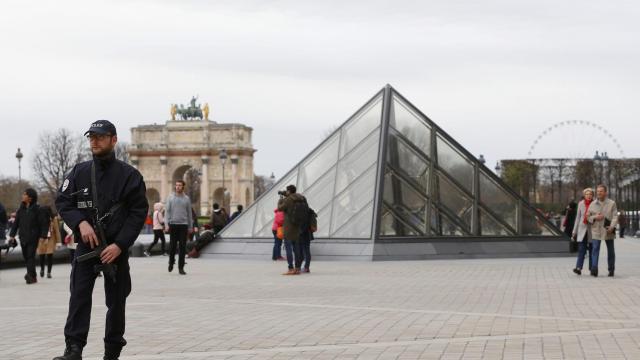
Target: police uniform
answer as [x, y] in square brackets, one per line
[116, 183]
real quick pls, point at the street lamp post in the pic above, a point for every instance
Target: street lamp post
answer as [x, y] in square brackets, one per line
[498, 168]
[223, 161]
[19, 157]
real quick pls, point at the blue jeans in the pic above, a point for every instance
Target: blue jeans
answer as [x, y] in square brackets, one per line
[583, 247]
[611, 254]
[277, 246]
[288, 247]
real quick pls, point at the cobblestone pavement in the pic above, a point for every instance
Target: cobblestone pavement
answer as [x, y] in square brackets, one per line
[444, 309]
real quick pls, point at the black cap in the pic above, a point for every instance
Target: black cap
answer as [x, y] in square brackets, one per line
[102, 127]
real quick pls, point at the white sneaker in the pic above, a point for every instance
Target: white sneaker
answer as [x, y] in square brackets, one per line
[147, 253]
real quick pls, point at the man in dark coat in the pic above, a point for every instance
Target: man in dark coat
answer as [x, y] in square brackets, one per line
[30, 226]
[118, 195]
[292, 228]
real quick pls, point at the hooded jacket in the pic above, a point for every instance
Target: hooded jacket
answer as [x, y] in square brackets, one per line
[158, 218]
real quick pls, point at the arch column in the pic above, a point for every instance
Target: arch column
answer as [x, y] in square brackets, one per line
[163, 178]
[204, 186]
[235, 199]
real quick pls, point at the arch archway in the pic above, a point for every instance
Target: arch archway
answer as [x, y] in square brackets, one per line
[191, 177]
[153, 196]
[221, 197]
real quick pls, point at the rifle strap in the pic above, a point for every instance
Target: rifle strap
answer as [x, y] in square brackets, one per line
[94, 194]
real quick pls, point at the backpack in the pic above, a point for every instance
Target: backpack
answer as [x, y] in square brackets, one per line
[313, 220]
[300, 213]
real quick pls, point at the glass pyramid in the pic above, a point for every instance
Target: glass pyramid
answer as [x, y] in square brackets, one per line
[389, 173]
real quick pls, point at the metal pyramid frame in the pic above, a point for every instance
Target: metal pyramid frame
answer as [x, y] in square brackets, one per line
[390, 183]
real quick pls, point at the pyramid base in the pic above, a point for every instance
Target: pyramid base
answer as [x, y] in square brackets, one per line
[415, 249]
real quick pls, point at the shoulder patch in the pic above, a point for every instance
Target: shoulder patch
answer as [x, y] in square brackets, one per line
[65, 185]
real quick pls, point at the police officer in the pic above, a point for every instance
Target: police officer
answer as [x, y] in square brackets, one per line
[121, 201]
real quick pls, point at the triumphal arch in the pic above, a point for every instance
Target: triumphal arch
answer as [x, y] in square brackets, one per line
[214, 159]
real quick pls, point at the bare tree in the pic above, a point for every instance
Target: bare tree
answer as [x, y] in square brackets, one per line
[260, 185]
[122, 152]
[11, 192]
[58, 151]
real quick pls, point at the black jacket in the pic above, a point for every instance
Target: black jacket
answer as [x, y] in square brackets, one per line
[31, 224]
[116, 182]
[3, 221]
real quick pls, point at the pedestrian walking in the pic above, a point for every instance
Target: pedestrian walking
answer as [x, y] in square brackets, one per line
[114, 192]
[158, 229]
[569, 223]
[622, 222]
[603, 216]
[31, 226]
[179, 224]
[582, 230]
[47, 246]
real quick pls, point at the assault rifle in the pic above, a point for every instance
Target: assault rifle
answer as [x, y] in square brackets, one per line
[109, 270]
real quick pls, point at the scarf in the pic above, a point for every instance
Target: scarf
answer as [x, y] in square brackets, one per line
[586, 211]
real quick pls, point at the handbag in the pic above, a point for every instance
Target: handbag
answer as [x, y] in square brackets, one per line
[280, 233]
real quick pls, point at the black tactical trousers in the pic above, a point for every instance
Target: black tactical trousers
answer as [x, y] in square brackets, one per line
[83, 278]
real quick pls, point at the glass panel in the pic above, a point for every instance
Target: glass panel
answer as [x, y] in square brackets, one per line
[269, 202]
[488, 226]
[265, 232]
[359, 226]
[499, 201]
[242, 227]
[318, 164]
[406, 159]
[532, 224]
[455, 200]
[391, 226]
[455, 164]
[388, 226]
[353, 199]
[321, 193]
[361, 125]
[324, 220]
[409, 124]
[354, 164]
[405, 200]
[449, 228]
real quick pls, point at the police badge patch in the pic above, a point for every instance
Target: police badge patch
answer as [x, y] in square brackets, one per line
[65, 185]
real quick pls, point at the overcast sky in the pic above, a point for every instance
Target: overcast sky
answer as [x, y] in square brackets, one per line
[493, 74]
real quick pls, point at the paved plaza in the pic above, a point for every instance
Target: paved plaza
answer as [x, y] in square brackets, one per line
[443, 309]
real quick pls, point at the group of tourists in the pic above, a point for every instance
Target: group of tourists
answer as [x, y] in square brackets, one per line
[590, 222]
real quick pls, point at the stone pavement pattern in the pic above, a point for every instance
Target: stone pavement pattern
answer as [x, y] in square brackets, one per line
[444, 309]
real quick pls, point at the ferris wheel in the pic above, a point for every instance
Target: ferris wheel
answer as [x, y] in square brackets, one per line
[574, 139]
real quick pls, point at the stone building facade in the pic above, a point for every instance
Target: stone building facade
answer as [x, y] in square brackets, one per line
[190, 150]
